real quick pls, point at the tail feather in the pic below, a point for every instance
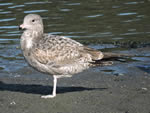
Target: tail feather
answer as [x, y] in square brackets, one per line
[108, 59]
[109, 55]
[101, 63]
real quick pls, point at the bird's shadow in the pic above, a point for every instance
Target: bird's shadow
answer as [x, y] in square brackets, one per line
[42, 90]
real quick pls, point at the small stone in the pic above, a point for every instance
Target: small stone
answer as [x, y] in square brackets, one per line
[13, 103]
[143, 88]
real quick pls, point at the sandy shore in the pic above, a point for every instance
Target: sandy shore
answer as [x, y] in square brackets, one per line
[88, 92]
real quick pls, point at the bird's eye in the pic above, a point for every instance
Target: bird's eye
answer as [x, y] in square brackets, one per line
[33, 20]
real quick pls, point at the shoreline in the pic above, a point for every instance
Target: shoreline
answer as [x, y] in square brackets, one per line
[87, 92]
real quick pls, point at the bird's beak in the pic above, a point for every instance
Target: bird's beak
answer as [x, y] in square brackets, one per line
[21, 27]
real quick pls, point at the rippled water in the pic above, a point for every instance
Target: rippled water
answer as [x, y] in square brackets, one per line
[102, 24]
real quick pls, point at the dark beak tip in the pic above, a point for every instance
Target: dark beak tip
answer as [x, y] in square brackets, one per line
[20, 28]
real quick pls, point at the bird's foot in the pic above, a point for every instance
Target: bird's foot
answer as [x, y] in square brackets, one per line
[48, 96]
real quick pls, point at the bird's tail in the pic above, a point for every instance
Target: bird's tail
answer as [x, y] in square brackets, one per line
[109, 55]
[108, 59]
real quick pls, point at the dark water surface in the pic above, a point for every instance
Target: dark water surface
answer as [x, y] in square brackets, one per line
[110, 25]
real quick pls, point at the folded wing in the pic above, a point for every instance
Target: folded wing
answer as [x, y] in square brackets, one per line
[63, 51]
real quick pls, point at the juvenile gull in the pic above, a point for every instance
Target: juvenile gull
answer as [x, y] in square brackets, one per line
[55, 55]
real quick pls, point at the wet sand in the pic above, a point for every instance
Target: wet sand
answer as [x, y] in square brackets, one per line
[88, 92]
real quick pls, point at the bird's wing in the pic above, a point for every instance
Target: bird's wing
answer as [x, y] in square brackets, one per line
[62, 51]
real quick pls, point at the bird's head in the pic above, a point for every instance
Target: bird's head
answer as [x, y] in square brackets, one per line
[32, 22]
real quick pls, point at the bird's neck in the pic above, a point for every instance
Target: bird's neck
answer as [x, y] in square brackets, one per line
[30, 38]
[33, 33]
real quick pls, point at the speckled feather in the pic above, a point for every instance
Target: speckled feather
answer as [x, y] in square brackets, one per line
[54, 54]
[61, 55]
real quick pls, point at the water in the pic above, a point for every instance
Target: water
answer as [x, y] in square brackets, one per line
[109, 25]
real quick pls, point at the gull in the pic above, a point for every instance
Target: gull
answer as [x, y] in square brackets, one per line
[55, 55]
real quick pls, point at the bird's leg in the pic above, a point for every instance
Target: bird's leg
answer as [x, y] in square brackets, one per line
[54, 85]
[54, 88]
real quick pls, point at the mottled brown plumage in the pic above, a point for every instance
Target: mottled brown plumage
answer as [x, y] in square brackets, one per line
[55, 55]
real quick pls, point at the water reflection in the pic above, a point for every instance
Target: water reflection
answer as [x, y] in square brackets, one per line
[7, 19]
[96, 23]
[5, 4]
